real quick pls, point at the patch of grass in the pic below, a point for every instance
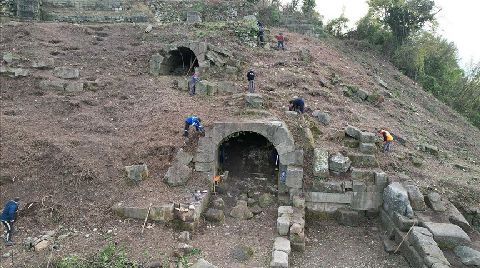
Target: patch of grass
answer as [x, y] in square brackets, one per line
[109, 256]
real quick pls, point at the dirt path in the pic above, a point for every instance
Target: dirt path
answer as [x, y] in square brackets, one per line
[332, 245]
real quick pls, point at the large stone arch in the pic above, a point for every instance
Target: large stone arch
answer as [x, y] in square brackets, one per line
[276, 132]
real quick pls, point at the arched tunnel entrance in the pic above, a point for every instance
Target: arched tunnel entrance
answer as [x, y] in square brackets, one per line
[181, 61]
[252, 162]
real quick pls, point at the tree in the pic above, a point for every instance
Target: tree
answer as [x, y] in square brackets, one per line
[403, 17]
[308, 7]
[337, 27]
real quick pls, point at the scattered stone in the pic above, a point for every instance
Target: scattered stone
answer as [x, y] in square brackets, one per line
[363, 160]
[279, 259]
[66, 73]
[251, 201]
[415, 196]
[155, 265]
[353, 132]
[241, 211]
[74, 87]
[320, 163]
[52, 85]
[184, 249]
[448, 235]
[389, 245]
[43, 64]
[468, 256]
[351, 143]
[430, 149]
[423, 243]
[298, 201]
[284, 210]
[201, 263]
[339, 163]
[137, 173]
[7, 254]
[256, 209]
[435, 202]
[218, 203]
[183, 158]
[193, 17]
[329, 186]
[20, 72]
[215, 215]
[42, 245]
[265, 200]
[149, 28]
[156, 64]
[368, 137]
[184, 236]
[254, 100]
[395, 199]
[367, 148]
[177, 174]
[242, 253]
[282, 244]
[322, 117]
[457, 218]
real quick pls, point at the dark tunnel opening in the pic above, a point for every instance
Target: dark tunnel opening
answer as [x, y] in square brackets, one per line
[181, 61]
[248, 154]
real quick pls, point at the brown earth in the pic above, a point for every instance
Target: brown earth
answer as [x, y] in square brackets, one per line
[66, 152]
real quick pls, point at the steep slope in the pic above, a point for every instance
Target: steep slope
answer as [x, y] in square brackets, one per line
[66, 151]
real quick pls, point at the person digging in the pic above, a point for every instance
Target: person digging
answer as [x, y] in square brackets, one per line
[8, 218]
[195, 121]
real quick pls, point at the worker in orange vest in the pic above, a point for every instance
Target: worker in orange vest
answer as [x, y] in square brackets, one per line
[387, 139]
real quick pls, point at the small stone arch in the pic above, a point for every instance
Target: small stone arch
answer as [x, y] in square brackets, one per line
[179, 61]
[276, 132]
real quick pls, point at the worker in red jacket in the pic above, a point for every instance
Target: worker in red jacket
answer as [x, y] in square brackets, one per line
[280, 41]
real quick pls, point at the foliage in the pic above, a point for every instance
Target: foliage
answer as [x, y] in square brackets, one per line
[308, 7]
[403, 17]
[337, 27]
[109, 257]
[371, 29]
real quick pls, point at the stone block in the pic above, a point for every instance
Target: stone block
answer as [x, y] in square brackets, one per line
[363, 160]
[285, 210]
[368, 137]
[74, 87]
[66, 72]
[435, 202]
[339, 163]
[395, 199]
[282, 244]
[298, 201]
[182, 157]
[320, 197]
[215, 215]
[265, 200]
[422, 241]
[279, 259]
[457, 218]
[415, 196]
[320, 163]
[203, 167]
[163, 213]
[448, 235]
[201, 263]
[194, 17]
[367, 201]
[351, 143]
[52, 85]
[283, 225]
[353, 132]
[468, 256]
[364, 175]
[367, 148]
[241, 211]
[381, 179]
[322, 117]
[254, 100]
[137, 173]
[293, 158]
[348, 217]
[177, 174]
[204, 87]
[403, 223]
[329, 186]
[359, 186]
[156, 64]
[294, 177]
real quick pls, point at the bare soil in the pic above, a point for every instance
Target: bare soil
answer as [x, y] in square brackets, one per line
[66, 152]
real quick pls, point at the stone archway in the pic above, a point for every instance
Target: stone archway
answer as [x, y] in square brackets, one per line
[276, 132]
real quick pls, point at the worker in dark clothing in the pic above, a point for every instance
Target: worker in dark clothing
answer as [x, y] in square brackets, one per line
[261, 34]
[8, 217]
[251, 80]
[193, 121]
[297, 105]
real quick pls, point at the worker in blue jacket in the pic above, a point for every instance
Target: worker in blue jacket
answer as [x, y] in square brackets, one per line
[297, 105]
[195, 121]
[8, 217]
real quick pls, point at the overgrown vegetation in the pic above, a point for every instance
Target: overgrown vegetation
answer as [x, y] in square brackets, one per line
[110, 256]
[397, 27]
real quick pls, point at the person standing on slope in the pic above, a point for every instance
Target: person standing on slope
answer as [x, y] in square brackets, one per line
[280, 41]
[387, 139]
[192, 121]
[8, 217]
[192, 84]
[297, 105]
[251, 80]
